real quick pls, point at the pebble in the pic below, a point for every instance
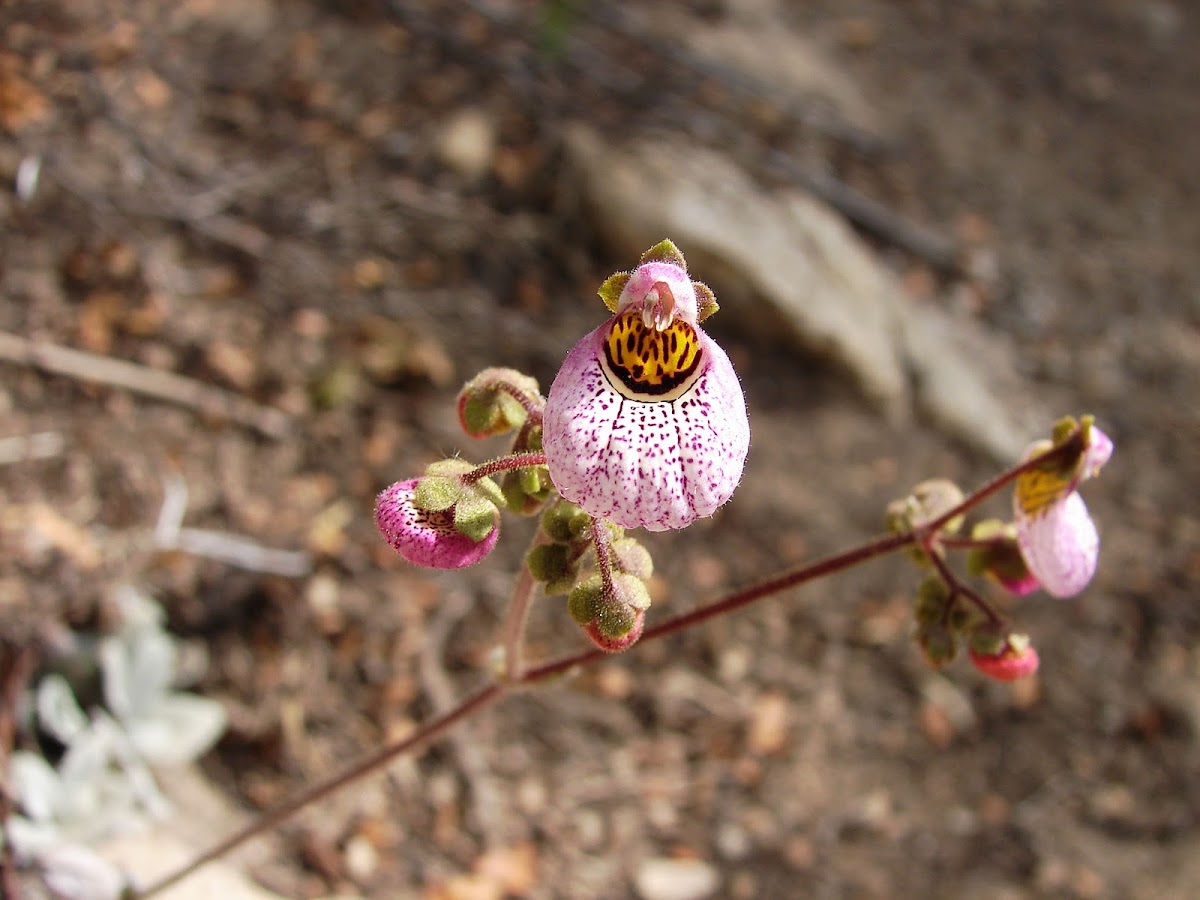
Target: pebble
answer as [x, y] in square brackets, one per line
[676, 879]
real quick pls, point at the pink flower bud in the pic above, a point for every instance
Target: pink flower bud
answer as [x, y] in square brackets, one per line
[426, 538]
[1016, 659]
[645, 424]
[616, 644]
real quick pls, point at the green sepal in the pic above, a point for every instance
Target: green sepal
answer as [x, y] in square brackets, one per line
[930, 604]
[630, 556]
[938, 644]
[435, 493]
[585, 601]
[986, 641]
[706, 301]
[564, 521]
[616, 621]
[485, 409]
[519, 500]
[550, 562]
[664, 251]
[610, 291]
[475, 516]
[489, 490]
[630, 591]
[559, 587]
[450, 467]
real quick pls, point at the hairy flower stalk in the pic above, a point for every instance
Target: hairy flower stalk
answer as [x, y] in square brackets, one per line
[645, 424]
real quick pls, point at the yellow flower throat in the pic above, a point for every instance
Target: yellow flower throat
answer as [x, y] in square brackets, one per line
[649, 365]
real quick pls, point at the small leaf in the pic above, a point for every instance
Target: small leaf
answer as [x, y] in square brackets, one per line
[610, 290]
[36, 785]
[182, 728]
[57, 710]
[664, 251]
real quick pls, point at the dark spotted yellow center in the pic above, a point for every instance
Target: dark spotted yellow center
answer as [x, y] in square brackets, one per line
[646, 364]
[1038, 489]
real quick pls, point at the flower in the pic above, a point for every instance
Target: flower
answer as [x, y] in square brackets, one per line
[1056, 535]
[426, 538]
[645, 424]
[1016, 658]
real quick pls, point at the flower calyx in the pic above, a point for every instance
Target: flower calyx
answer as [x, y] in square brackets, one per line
[612, 614]
[497, 401]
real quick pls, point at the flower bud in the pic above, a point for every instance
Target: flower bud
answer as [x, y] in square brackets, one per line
[937, 643]
[565, 522]
[430, 538]
[488, 404]
[1000, 558]
[1014, 658]
[553, 565]
[630, 556]
[612, 618]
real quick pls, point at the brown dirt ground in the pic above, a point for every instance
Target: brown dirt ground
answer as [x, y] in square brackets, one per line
[249, 193]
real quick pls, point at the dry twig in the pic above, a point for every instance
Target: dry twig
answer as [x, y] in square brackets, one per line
[167, 386]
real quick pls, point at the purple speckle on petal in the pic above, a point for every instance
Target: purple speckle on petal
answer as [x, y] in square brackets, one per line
[426, 538]
[650, 463]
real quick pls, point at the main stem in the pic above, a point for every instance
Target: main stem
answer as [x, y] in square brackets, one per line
[490, 694]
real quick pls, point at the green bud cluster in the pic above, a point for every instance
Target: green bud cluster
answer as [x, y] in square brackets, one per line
[610, 609]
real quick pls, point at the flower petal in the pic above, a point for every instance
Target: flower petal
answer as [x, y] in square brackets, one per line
[645, 461]
[1060, 545]
[426, 538]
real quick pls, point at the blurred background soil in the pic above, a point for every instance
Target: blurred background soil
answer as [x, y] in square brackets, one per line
[344, 210]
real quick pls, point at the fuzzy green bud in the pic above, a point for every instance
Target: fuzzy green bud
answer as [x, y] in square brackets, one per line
[550, 562]
[932, 597]
[937, 644]
[585, 601]
[435, 493]
[630, 556]
[488, 404]
[565, 522]
[475, 516]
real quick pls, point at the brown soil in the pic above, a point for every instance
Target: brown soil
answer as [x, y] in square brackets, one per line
[252, 194]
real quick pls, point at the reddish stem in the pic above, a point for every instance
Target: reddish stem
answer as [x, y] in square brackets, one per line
[485, 697]
[504, 464]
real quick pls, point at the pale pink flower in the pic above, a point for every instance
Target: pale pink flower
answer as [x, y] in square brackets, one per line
[1055, 533]
[426, 538]
[645, 424]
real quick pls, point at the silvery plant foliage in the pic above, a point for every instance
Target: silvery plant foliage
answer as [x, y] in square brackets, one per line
[103, 784]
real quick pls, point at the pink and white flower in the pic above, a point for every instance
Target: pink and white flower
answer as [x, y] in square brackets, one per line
[1055, 533]
[645, 424]
[426, 538]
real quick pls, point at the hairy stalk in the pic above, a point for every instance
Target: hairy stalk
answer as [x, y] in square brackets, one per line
[603, 554]
[518, 615]
[956, 586]
[504, 464]
[490, 694]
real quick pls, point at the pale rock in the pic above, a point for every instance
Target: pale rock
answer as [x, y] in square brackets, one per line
[676, 879]
[467, 143]
[750, 42]
[789, 268]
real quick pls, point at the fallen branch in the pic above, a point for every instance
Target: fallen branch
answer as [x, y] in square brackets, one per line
[167, 386]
